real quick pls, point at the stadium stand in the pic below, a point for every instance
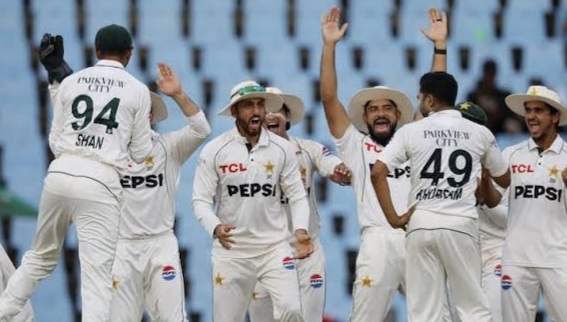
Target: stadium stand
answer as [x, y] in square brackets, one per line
[214, 45]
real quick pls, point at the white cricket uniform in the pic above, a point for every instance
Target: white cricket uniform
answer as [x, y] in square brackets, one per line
[101, 116]
[535, 250]
[246, 184]
[442, 235]
[492, 227]
[147, 271]
[380, 264]
[312, 156]
[6, 270]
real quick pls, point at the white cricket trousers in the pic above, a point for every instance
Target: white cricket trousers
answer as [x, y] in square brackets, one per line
[520, 292]
[147, 272]
[438, 256]
[380, 268]
[234, 280]
[6, 270]
[93, 204]
[491, 287]
[311, 271]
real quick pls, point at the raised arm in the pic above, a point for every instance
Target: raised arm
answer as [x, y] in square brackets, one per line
[337, 117]
[437, 33]
[168, 83]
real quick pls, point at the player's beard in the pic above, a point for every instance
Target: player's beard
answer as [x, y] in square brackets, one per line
[247, 128]
[382, 138]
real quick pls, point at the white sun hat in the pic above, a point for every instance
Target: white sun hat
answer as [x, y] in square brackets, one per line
[251, 89]
[537, 93]
[359, 99]
[293, 102]
[159, 110]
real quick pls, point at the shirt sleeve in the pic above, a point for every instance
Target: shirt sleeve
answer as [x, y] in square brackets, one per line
[140, 142]
[493, 159]
[292, 187]
[184, 142]
[395, 153]
[204, 189]
[325, 162]
[348, 145]
[58, 121]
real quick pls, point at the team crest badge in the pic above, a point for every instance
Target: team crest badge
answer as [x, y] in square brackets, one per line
[168, 273]
[149, 162]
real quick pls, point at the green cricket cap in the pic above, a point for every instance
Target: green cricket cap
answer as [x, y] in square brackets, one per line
[113, 39]
[472, 112]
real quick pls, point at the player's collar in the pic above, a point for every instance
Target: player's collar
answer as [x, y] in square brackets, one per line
[447, 112]
[109, 63]
[556, 146]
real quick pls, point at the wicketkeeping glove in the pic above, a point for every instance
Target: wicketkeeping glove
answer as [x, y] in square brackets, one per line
[51, 57]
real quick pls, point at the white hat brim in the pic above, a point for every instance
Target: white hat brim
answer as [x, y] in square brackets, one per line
[516, 103]
[159, 109]
[273, 102]
[296, 108]
[359, 99]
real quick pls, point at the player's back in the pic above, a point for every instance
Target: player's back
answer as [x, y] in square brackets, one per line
[102, 113]
[446, 151]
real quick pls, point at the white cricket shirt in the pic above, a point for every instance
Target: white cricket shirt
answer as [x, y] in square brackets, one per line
[312, 157]
[150, 188]
[536, 235]
[102, 113]
[492, 227]
[445, 150]
[359, 153]
[246, 186]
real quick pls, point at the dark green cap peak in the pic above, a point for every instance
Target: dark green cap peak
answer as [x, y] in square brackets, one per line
[472, 112]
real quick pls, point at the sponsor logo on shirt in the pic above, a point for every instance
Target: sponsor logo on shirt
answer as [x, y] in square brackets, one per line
[397, 173]
[232, 168]
[251, 190]
[522, 168]
[151, 181]
[498, 270]
[168, 273]
[316, 281]
[326, 151]
[537, 191]
[288, 263]
[372, 147]
[506, 282]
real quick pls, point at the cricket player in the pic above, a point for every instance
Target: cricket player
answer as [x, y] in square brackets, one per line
[360, 136]
[312, 156]
[534, 258]
[6, 270]
[245, 171]
[442, 236]
[101, 116]
[147, 266]
[491, 225]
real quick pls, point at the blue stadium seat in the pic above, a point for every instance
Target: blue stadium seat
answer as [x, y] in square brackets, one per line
[101, 13]
[265, 22]
[212, 22]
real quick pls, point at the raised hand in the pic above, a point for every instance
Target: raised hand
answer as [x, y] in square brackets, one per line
[330, 29]
[437, 31]
[168, 82]
[341, 174]
[51, 51]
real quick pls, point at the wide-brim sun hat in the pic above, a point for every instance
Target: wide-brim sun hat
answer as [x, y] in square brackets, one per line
[293, 103]
[359, 99]
[537, 93]
[251, 89]
[159, 110]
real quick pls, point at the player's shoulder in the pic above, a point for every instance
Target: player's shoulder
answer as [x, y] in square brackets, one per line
[278, 140]
[218, 142]
[513, 149]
